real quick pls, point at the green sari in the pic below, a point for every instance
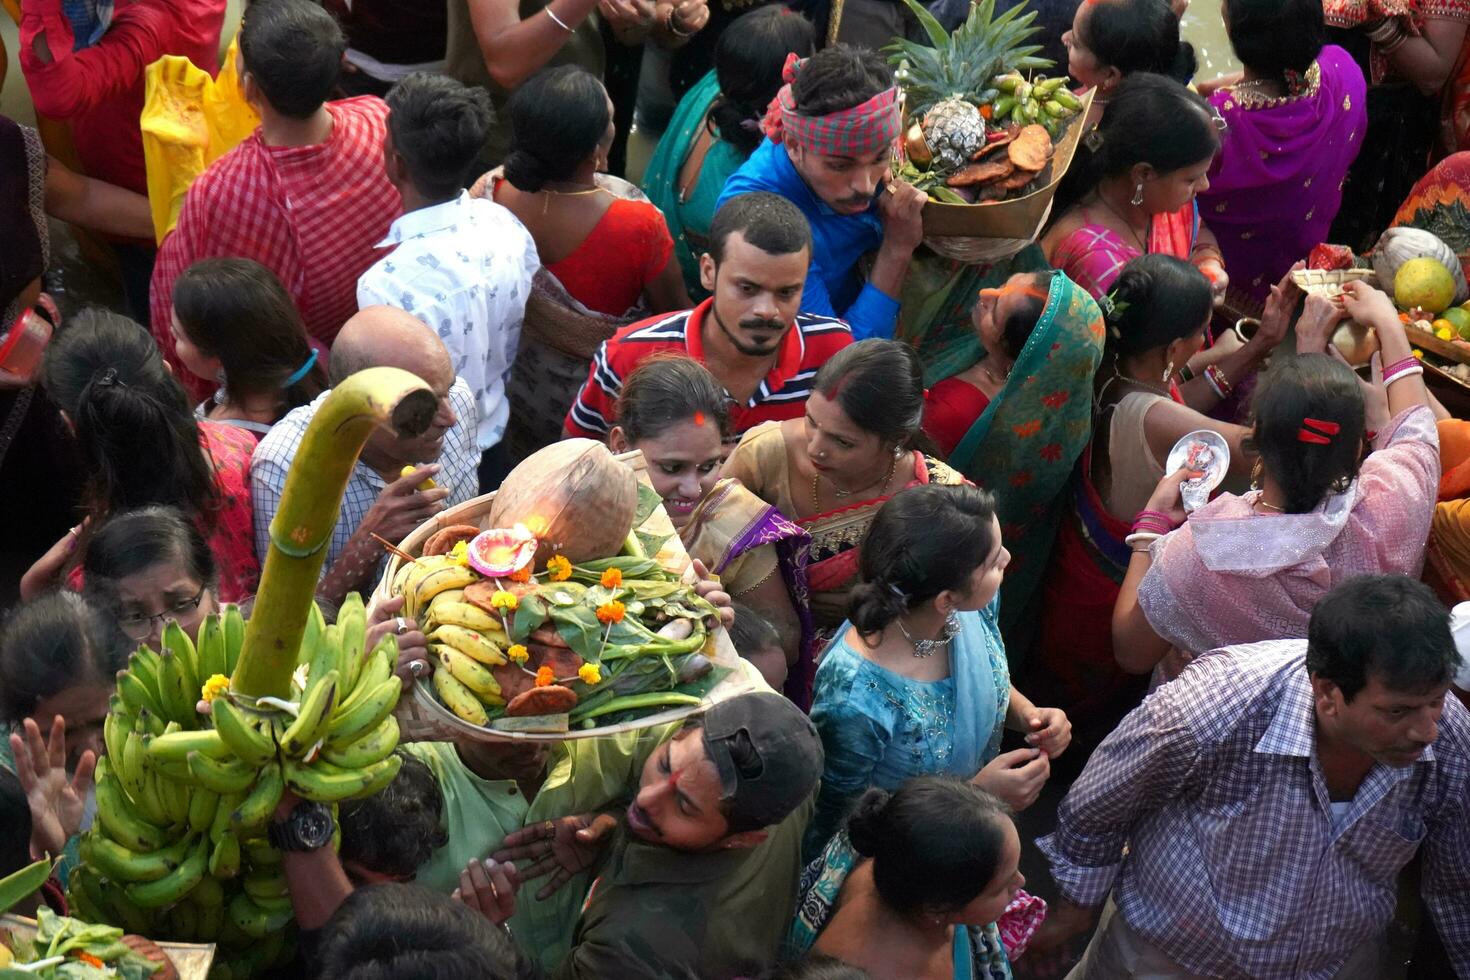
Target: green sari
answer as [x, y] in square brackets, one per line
[1025, 445]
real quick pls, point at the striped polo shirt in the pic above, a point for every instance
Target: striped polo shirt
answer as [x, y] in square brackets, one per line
[781, 395]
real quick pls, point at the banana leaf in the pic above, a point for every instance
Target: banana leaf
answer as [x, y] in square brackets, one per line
[18, 884]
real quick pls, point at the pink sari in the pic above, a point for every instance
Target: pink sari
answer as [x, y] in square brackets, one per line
[1094, 255]
[1231, 575]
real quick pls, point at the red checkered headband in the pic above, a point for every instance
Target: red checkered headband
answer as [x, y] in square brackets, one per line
[862, 130]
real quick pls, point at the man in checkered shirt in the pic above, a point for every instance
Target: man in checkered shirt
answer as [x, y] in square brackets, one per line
[305, 195]
[380, 498]
[1250, 818]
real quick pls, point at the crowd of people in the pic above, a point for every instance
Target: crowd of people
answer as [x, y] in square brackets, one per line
[934, 501]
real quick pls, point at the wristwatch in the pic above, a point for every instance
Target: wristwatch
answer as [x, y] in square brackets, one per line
[308, 827]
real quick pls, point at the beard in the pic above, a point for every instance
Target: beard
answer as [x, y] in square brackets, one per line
[747, 345]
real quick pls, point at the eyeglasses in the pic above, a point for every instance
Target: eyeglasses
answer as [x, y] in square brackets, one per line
[138, 627]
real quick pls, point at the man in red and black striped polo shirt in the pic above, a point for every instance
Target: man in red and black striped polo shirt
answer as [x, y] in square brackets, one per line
[748, 333]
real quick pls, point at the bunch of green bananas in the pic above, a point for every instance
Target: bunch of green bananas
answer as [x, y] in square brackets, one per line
[178, 849]
[1042, 100]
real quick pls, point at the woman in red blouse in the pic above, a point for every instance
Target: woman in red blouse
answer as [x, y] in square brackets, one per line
[141, 445]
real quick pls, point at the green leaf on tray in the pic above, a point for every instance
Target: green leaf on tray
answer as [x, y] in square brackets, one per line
[648, 501]
[652, 543]
[19, 884]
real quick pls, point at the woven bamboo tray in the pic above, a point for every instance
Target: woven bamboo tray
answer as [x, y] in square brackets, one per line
[191, 960]
[1328, 283]
[1018, 218]
[422, 718]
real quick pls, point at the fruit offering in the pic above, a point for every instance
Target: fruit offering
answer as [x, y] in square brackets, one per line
[65, 948]
[575, 644]
[977, 128]
[184, 797]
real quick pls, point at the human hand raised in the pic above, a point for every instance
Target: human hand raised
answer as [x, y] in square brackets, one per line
[56, 801]
[901, 209]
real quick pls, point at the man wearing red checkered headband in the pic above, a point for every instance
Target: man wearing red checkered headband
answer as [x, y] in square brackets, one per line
[832, 129]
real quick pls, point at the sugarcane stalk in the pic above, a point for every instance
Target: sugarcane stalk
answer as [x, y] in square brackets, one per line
[310, 502]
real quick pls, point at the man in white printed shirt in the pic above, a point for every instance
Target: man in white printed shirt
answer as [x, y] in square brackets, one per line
[462, 265]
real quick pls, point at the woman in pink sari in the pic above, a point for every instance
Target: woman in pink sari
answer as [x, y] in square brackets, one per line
[1250, 567]
[1151, 154]
[1294, 122]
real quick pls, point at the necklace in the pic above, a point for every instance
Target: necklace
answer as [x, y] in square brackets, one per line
[1000, 379]
[549, 193]
[1143, 248]
[924, 649]
[1261, 501]
[842, 494]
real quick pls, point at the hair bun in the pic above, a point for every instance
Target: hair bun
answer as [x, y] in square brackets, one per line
[871, 606]
[524, 170]
[866, 822]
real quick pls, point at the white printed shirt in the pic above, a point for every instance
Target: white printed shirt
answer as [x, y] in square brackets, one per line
[463, 267]
[458, 461]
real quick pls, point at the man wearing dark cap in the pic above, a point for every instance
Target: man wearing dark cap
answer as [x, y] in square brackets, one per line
[702, 879]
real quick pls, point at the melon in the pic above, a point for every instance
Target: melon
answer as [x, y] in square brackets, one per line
[574, 496]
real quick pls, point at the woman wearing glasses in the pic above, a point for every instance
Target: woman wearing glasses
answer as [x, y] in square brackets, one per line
[150, 566]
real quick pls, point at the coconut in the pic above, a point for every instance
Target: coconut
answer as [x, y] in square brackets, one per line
[574, 496]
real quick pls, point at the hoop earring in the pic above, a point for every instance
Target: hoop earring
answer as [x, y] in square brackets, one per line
[1137, 195]
[1168, 372]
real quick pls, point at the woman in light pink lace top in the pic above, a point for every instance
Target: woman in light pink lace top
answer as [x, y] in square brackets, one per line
[1251, 567]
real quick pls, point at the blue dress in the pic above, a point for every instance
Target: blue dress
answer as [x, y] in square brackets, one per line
[880, 729]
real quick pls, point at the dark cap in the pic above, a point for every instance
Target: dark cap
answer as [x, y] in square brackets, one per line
[768, 754]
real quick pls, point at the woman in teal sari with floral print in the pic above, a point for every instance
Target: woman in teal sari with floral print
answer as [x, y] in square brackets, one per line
[1017, 420]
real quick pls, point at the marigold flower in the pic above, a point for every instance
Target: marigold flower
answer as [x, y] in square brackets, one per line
[559, 568]
[504, 600]
[590, 673]
[518, 653]
[461, 554]
[545, 677]
[214, 687]
[521, 574]
[611, 612]
[612, 578]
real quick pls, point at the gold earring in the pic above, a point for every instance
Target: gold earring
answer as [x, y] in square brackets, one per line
[1256, 470]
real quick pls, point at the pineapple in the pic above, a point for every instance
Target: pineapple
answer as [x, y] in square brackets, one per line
[945, 84]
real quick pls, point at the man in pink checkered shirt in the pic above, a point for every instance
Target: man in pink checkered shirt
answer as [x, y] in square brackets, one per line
[306, 194]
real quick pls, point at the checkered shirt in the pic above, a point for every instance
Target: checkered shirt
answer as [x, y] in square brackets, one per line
[311, 214]
[458, 461]
[1233, 866]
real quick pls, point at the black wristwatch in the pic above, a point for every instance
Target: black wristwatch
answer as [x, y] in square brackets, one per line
[309, 827]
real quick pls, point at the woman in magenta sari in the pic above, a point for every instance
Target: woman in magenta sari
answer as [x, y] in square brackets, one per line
[1294, 122]
[1150, 155]
[1250, 567]
[673, 411]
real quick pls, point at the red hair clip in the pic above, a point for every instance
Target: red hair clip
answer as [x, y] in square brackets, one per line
[1322, 434]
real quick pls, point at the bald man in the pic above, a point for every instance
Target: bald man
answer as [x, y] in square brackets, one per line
[378, 500]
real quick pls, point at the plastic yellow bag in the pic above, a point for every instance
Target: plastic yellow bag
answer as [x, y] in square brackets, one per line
[189, 121]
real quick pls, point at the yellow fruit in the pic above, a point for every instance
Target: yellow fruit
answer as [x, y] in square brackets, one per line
[1459, 318]
[6, 956]
[1424, 283]
[426, 485]
[1443, 330]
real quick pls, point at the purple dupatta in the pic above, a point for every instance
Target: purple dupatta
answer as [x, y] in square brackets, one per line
[1277, 183]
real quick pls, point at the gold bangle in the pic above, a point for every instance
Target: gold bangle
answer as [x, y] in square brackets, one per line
[558, 21]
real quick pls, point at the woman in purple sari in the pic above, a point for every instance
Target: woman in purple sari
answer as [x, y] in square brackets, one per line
[1294, 119]
[674, 411]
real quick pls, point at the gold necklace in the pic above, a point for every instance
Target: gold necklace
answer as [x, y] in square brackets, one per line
[841, 494]
[1261, 501]
[1143, 248]
[548, 192]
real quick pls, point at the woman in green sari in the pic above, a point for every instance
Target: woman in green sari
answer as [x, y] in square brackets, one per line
[1017, 420]
[717, 125]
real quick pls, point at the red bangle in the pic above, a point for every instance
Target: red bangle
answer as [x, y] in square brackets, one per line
[1409, 361]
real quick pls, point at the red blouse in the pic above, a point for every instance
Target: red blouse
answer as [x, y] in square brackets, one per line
[232, 539]
[625, 251]
[950, 408]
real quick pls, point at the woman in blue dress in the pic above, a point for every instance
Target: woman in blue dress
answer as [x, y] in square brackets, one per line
[916, 681]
